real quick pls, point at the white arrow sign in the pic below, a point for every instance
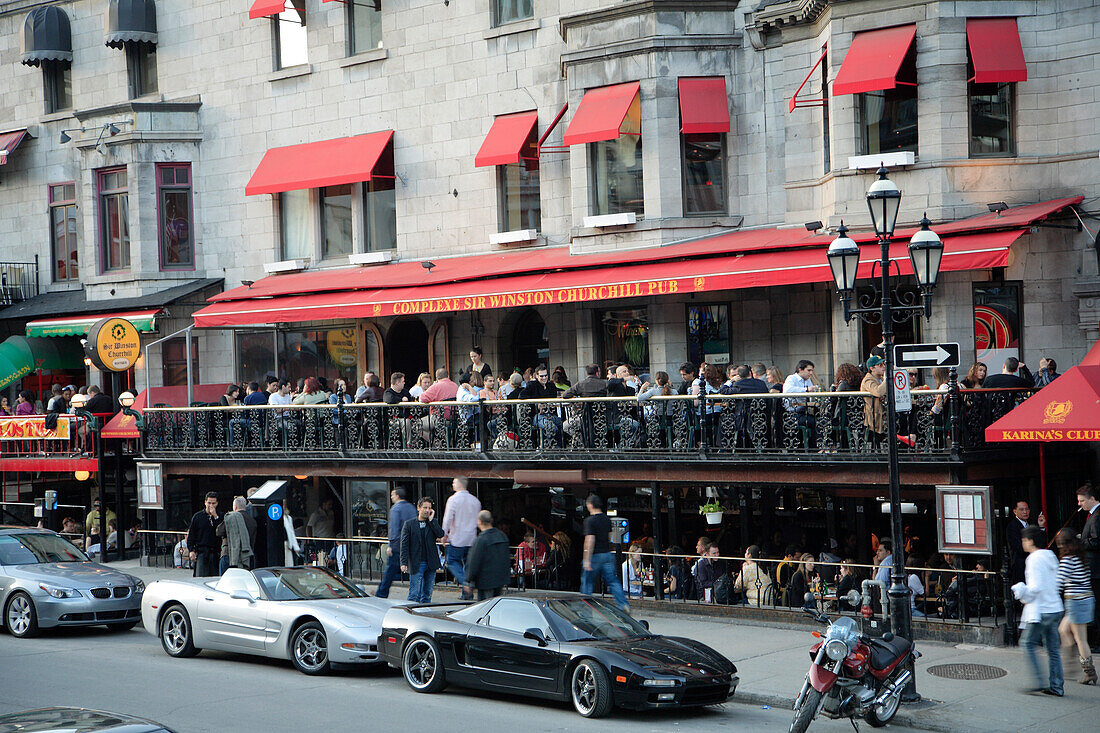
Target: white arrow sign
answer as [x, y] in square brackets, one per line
[926, 355]
[940, 354]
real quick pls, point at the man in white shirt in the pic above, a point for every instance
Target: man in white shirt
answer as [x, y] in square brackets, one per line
[884, 555]
[1042, 611]
[800, 382]
[460, 530]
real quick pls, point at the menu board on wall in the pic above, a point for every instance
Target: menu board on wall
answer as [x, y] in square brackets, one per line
[963, 520]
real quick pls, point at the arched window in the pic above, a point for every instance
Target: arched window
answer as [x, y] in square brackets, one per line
[439, 346]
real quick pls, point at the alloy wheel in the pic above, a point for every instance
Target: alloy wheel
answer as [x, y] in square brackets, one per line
[420, 664]
[19, 615]
[174, 631]
[584, 688]
[311, 649]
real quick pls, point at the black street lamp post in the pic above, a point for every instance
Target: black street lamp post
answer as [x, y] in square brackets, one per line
[925, 253]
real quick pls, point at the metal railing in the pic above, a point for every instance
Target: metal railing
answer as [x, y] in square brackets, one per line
[29, 436]
[839, 424]
[18, 281]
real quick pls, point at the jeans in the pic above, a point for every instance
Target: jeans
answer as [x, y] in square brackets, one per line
[603, 564]
[223, 564]
[421, 583]
[390, 574]
[456, 559]
[1045, 633]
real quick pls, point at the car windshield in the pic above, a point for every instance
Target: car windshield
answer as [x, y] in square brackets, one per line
[305, 584]
[33, 548]
[592, 618]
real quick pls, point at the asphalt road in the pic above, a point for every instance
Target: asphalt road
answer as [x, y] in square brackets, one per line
[129, 672]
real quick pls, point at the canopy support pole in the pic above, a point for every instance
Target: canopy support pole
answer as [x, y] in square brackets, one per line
[1043, 482]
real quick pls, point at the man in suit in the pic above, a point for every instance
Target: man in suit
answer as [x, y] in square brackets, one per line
[1087, 500]
[1021, 514]
[1014, 375]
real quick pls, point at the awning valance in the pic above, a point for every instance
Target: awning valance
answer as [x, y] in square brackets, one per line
[314, 165]
[144, 320]
[131, 21]
[9, 141]
[640, 275]
[604, 114]
[46, 36]
[704, 107]
[874, 60]
[995, 50]
[20, 356]
[507, 136]
[264, 8]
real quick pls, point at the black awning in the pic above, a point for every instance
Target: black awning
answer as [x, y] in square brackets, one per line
[131, 21]
[46, 36]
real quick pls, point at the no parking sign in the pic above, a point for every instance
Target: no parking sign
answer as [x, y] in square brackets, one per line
[903, 401]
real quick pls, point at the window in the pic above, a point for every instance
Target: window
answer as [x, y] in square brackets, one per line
[997, 311]
[624, 337]
[295, 229]
[255, 355]
[364, 27]
[616, 170]
[827, 153]
[509, 11]
[174, 361]
[703, 164]
[330, 353]
[517, 616]
[63, 232]
[174, 216]
[114, 219]
[380, 204]
[58, 80]
[141, 68]
[708, 328]
[520, 197]
[991, 119]
[336, 221]
[290, 35]
[888, 118]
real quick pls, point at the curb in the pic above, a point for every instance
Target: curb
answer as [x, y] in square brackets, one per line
[780, 702]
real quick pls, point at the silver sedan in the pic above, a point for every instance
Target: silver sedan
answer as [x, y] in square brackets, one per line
[311, 616]
[46, 581]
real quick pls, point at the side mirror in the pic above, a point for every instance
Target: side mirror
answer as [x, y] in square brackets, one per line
[242, 595]
[854, 598]
[536, 635]
[644, 623]
[809, 601]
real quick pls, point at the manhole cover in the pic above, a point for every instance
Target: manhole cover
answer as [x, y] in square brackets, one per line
[967, 671]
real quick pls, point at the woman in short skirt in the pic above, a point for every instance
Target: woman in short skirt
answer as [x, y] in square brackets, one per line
[1074, 584]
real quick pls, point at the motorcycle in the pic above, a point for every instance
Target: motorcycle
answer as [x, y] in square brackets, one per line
[852, 675]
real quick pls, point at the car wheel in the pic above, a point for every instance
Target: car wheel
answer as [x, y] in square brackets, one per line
[422, 665]
[175, 632]
[20, 616]
[122, 627]
[591, 689]
[309, 649]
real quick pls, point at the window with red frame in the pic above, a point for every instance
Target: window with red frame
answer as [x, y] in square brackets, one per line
[114, 219]
[63, 232]
[174, 216]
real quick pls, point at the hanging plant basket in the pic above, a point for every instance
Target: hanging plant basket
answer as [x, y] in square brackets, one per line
[713, 512]
[714, 517]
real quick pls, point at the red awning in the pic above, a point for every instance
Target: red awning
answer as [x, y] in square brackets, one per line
[638, 273]
[874, 60]
[125, 426]
[9, 141]
[704, 107]
[506, 139]
[601, 114]
[1066, 410]
[995, 50]
[313, 165]
[264, 8]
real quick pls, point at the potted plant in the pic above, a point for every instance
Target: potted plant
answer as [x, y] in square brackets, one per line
[713, 512]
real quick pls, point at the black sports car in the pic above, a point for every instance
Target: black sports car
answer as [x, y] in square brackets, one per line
[562, 647]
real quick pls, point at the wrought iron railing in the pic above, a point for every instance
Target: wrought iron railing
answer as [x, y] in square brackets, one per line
[809, 425]
[18, 282]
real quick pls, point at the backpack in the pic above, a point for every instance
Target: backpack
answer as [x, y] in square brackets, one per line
[721, 592]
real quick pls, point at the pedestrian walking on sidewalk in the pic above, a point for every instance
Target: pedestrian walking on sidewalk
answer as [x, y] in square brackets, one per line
[460, 529]
[1073, 583]
[489, 563]
[1042, 611]
[597, 558]
[401, 511]
[419, 552]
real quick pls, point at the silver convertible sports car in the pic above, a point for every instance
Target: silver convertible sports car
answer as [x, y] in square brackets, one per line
[46, 581]
[311, 616]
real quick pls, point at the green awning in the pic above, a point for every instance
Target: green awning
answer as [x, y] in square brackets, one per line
[79, 325]
[20, 356]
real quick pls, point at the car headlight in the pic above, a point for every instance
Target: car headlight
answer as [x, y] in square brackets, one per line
[58, 592]
[139, 585]
[836, 649]
[660, 683]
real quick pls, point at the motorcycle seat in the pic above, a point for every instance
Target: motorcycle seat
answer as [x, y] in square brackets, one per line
[883, 653]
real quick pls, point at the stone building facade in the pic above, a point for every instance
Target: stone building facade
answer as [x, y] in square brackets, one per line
[438, 74]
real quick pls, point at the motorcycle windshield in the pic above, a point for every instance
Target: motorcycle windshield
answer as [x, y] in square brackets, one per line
[843, 628]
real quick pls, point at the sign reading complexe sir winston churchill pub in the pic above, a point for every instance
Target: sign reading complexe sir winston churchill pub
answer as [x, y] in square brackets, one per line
[113, 344]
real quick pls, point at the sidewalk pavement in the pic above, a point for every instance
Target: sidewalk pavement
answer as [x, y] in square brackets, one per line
[772, 664]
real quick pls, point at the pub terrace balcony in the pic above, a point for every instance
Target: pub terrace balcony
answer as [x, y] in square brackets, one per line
[816, 427]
